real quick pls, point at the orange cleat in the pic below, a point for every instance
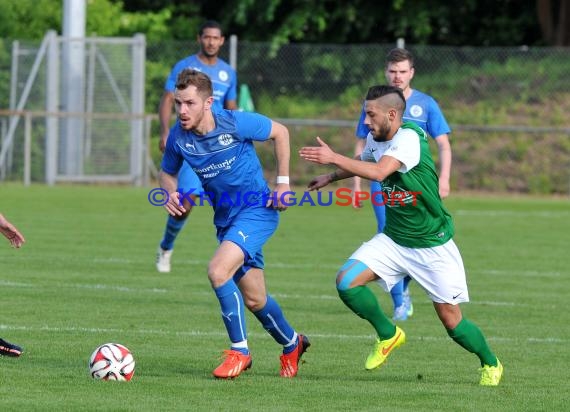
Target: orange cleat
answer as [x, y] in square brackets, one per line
[234, 364]
[290, 361]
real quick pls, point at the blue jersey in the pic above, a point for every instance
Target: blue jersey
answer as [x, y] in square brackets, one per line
[421, 109]
[223, 76]
[224, 160]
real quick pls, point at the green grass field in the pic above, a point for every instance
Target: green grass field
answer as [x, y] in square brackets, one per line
[86, 276]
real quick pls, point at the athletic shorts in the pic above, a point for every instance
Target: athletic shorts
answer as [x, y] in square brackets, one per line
[250, 230]
[438, 270]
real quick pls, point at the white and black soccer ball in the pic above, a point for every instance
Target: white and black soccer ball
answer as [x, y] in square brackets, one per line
[112, 362]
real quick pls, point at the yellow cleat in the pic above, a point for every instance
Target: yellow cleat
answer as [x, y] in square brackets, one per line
[382, 349]
[491, 375]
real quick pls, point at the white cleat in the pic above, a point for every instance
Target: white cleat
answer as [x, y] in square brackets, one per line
[163, 260]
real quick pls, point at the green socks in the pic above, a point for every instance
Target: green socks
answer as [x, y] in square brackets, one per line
[363, 302]
[470, 337]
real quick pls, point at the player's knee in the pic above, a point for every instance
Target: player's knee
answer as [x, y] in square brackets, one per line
[339, 277]
[254, 303]
[217, 276]
[345, 275]
[350, 275]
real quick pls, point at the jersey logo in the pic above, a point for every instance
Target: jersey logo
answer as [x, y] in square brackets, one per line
[416, 110]
[223, 75]
[397, 196]
[188, 145]
[225, 139]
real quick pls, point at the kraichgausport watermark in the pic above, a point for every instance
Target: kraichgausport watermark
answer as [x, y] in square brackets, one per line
[339, 197]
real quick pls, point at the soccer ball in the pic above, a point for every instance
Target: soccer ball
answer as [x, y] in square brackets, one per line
[112, 362]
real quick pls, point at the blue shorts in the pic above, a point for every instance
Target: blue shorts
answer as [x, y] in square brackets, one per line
[250, 230]
[188, 181]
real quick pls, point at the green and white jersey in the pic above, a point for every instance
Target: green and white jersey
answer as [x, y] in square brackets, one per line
[415, 215]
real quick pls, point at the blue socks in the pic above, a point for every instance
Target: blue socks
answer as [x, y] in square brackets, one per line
[233, 314]
[397, 293]
[173, 227]
[271, 317]
[273, 321]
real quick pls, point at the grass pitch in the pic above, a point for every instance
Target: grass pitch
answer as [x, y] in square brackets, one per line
[86, 276]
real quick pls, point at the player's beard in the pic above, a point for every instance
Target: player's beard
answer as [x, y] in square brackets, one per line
[189, 122]
[383, 131]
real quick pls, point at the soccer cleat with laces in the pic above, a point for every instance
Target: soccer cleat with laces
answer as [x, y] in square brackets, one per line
[290, 361]
[9, 349]
[234, 364]
[491, 375]
[382, 348]
[163, 260]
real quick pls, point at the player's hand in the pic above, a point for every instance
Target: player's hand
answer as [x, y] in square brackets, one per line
[321, 154]
[10, 232]
[319, 181]
[281, 197]
[174, 206]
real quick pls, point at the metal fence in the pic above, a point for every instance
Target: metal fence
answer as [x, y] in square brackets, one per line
[76, 111]
[507, 106]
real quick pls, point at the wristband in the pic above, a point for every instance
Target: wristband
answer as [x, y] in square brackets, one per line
[282, 179]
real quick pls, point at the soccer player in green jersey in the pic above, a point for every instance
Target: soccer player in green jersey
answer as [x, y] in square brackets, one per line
[417, 239]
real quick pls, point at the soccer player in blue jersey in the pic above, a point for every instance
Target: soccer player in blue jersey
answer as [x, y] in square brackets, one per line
[424, 111]
[16, 239]
[224, 81]
[218, 146]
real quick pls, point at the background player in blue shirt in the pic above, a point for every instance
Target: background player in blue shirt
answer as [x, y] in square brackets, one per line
[224, 81]
[423, 110]
[218, 146]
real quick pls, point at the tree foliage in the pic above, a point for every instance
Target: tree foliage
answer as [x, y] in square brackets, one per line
[435, 22]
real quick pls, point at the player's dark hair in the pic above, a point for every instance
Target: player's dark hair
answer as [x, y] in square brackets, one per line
[398, 55]
[395, 96]
[191, 77]
[210, 24]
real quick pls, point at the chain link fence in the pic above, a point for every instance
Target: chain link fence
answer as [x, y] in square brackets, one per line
[507, 106]
[75, 110]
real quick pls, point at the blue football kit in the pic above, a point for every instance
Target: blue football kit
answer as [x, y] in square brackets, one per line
[231, 175]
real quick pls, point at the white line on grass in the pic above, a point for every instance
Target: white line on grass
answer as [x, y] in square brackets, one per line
[207, 293]
[254, 334]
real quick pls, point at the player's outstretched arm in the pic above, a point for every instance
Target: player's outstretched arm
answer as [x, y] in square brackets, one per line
[323, 154]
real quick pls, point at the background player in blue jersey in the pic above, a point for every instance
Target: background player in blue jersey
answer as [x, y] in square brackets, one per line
[218, 146]
[16, 239]
[423, 110]
[224, 81]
